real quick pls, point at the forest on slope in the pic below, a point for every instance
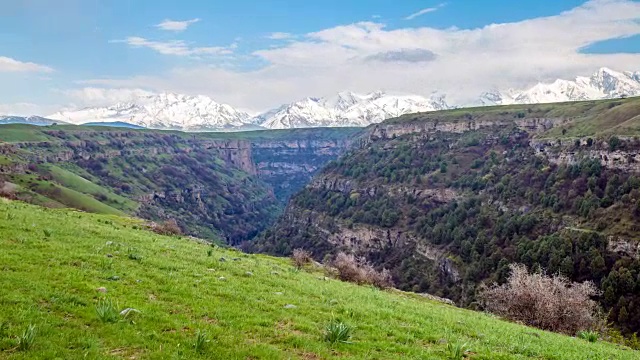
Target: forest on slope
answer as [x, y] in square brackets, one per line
[448, 200]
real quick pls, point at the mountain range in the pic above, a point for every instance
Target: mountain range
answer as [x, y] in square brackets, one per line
[30, 120]
[201, 113]
[603, 84]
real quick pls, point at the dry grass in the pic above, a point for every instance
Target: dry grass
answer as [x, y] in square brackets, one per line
[301, 258]
[358, 270]
[167, 227]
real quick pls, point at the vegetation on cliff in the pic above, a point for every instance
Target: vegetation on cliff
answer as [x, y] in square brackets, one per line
[225, 187]
[448, 206]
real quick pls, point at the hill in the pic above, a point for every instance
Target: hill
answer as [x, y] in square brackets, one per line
[29, 120]
[448, 200]
[226, 187]
[60, 267]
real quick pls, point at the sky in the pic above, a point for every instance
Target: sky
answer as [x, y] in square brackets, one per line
[257, 54]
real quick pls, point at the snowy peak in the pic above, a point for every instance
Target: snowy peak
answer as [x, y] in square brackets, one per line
[29, 120]
[348, 109]
[603, 84]
[615, 84]
[163, 111]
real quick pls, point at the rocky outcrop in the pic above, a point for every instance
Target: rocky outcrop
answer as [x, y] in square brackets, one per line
[624, 247]
[288, 165]
[349, 186]
[460, 125]
[238, 153]
[571, 151]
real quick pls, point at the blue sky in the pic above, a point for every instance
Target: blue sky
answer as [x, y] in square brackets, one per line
[257, 54]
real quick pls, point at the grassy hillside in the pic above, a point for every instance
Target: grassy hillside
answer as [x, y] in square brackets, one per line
[54, 261]
[598, 118]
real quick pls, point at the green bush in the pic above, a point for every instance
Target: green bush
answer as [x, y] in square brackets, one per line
[338, 332]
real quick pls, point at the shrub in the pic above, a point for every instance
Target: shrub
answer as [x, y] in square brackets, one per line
[106, 311]
[168, 227]
[546, 302]
[132, 255]
[337, 332]
[300, 258]
[590, 336]
[4, 329]
[359, 271]
[27, 338]
[457, 350]
[201, 341]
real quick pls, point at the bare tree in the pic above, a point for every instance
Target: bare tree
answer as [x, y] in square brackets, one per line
[546, 302]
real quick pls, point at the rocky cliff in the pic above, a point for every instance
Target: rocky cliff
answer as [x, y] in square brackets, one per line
[447, 200]
[228, 186]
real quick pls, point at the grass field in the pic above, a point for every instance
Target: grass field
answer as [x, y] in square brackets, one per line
[242, 306]
[75, 182]
[44, 190]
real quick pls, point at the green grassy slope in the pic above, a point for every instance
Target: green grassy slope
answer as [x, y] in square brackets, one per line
[21, 132]
[80, 184]
[45, 192]
[587, 118]
[50, 280]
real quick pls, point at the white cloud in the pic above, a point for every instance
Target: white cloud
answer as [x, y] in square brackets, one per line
[173, 25]
[20, 109]
[96, 96]
[280, 36]
[424, 11]
[12, 65]
[175, 47]
[461, 62]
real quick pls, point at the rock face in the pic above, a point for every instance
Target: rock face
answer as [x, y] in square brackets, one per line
[289, 165]
[623, 246]
[570, 152]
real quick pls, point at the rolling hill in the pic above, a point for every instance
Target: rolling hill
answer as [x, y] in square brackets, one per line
[80, 285]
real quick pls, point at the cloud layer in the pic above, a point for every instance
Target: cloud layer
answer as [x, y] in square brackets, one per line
[368, 56]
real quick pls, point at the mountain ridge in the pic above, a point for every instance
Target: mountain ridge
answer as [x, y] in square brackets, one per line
[29, 120]
[603, 84]
[200, 113]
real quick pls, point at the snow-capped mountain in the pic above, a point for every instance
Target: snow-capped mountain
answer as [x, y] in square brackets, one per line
[347, 109]
[201, 113]
[163, 111]
[29, 120]
[603, 84]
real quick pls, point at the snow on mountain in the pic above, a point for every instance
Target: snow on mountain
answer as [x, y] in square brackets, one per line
[29, 120]
[163, 111]
[200, 113]
[603, 84]
[347, 109]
